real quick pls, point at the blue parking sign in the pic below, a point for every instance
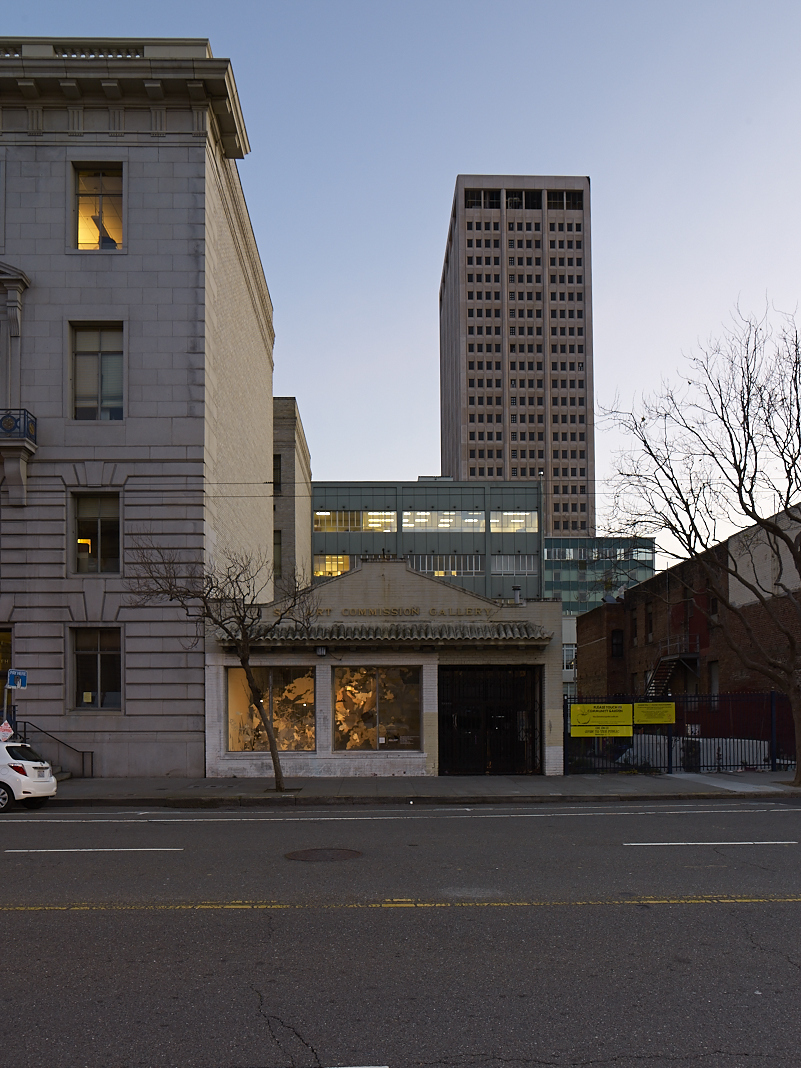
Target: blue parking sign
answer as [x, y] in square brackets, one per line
[17, 679]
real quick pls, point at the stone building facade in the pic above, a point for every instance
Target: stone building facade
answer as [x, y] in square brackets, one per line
[135, 344]
[401, 674]
[292, 492]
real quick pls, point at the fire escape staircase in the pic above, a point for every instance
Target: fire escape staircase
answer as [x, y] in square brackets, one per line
[672, 652]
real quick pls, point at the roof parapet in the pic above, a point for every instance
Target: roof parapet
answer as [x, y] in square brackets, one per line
[125, 69]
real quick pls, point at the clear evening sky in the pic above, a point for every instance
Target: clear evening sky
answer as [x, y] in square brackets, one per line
[361, 114]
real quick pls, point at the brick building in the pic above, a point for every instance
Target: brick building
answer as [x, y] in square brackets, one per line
[667, 635]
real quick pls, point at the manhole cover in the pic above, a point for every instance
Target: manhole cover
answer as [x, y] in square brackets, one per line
[323, 854]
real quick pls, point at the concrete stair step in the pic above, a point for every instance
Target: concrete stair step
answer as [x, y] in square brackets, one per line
[60, 773]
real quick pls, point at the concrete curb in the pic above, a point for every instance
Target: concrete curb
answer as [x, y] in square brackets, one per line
[289, 800]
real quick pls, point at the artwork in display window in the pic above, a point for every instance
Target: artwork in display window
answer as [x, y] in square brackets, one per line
[289, 695]
[377, 708]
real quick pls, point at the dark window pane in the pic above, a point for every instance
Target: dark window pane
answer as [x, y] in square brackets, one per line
[109, 639]
[109, 545]
[85, 679]
[278, 563]
[617, 643]
[399, 708]
[110, 679]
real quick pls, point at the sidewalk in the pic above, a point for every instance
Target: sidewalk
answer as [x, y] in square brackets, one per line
[472, 790]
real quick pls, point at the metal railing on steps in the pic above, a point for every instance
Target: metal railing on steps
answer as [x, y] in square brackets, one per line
[87, 755]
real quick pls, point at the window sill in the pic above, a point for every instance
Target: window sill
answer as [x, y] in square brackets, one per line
[70, 251]
[87, 711]
[95, 422]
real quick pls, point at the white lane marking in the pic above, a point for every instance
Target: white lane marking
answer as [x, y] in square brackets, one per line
[119, 849]
[706, 843]
[416, 816]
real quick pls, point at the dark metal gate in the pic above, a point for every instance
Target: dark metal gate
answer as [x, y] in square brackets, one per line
[489, 720]
[712, 732]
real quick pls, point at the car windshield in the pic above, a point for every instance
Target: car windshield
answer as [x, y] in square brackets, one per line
[24, 752]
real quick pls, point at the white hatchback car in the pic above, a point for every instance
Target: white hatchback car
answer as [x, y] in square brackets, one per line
[24, 776]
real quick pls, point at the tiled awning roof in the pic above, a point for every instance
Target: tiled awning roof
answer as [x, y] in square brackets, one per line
[411, 632]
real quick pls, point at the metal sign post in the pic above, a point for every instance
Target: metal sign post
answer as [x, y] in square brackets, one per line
[17, 680]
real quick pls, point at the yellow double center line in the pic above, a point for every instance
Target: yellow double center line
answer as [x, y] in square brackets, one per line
[394, 903]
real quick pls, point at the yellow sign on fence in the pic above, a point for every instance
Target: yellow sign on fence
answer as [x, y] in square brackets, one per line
[598, 730]
[655, 712]
[600, 721]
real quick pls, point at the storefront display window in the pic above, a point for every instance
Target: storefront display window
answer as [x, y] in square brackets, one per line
[377, 708]
[289, 693]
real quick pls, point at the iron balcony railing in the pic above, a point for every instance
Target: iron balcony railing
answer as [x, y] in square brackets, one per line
[19, 424]
[679, 646]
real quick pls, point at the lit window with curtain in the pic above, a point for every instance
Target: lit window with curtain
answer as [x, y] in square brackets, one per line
[98, 209]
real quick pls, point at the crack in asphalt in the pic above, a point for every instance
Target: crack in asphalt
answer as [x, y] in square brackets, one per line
[271, 1018]
[621, 1059]
[771, 952]
[750, 863]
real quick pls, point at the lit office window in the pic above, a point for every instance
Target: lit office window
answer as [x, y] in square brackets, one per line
[456, 521]
[447, 565]
[329, 566]
[289, 697]
[376, 522]
[514, 522]
[98, 194]
[377, 708]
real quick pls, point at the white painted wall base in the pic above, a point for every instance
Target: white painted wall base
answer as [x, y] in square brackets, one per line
[314, 765]
[554, 760]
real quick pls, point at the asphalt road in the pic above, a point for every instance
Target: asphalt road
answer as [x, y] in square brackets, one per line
[624, 935]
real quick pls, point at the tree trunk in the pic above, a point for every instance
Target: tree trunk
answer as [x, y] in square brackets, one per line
[265, 718]
[795, 705]
[257, 702]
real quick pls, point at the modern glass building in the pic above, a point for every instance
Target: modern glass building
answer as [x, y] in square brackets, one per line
[484, 538]
[581, 571]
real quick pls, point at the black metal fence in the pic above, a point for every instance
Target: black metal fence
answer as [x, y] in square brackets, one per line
[712, 732]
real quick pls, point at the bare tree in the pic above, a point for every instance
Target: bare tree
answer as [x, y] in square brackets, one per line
[716, 466]
[226, 600]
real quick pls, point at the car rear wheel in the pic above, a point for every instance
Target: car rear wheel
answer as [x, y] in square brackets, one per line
[34, 802]
[6, 797]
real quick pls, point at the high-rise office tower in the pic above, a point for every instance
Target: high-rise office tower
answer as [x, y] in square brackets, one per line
[516, 378]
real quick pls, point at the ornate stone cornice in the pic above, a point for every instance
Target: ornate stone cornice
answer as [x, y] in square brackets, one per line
[40, 74]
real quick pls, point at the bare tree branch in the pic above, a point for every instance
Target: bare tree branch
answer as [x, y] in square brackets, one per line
[715, 464]
[228, 600]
